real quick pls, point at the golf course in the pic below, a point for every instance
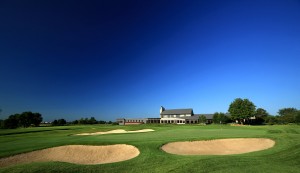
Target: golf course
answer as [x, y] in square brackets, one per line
[63, 149]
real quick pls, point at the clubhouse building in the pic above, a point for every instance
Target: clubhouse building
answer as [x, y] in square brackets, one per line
[168, 116]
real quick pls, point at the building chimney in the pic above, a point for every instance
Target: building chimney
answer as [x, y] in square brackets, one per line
[162, 109]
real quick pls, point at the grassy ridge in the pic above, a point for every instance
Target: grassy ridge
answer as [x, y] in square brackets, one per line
[284, 157]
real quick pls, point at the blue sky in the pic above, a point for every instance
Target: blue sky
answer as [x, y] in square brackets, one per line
[110, 59]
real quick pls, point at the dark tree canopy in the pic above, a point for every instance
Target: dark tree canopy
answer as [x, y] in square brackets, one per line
[286, 111]
[54, 123]
[220, 118]
[1, 124]
[288, 115]
[260, 116]
[297, 118]
[260, 112]
[215, 118]
[11, 122]
[241, 109]
[25, 119]
[37, 119]
[92, 120]
[59, 122]
[62, 122]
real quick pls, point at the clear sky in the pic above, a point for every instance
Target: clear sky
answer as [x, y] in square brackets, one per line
[110, 59]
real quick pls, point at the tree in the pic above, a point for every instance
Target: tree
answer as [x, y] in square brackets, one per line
[261, 112]
[260, 115]
[25, 119]
[54, 123]
[286, 111]
[11, 122]
[102, 122]
[241, 110]
[83, 121]
[61, 122]
[223, 118]
[1, 124]
[288, 115]
[271, 120]
[75, 122]
[92, 120]
[202, 119]
[216, 118]
[36, 119]
[297, 118]
[220, 118]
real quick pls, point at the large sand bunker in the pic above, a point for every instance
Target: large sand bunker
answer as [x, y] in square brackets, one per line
[79, 154]
[117, 131]
[219, 146]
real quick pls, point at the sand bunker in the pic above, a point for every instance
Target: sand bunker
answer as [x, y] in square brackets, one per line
[117, 131]
[219, 146]
[79, 154]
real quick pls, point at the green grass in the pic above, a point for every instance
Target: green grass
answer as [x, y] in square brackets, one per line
[284, 157]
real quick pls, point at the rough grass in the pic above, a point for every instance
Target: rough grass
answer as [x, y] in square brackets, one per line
[284, 157]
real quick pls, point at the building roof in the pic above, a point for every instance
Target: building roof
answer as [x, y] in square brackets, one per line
[177, 111]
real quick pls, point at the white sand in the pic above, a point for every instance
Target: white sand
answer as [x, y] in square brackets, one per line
[219, 146]
[78, 154]
[116, 131]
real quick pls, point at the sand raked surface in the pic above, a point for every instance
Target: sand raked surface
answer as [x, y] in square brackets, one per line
[117, 131]
[219, 146]
[78, 154]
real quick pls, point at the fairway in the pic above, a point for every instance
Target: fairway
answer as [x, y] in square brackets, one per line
[283, 157]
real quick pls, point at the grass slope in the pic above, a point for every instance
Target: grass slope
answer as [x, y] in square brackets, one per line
[284, 157]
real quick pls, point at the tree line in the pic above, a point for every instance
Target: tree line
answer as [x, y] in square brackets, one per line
[244, 111]
[25, 119]
[91, 120]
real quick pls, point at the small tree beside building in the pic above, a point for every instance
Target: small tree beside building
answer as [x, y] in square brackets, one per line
[202, 119]
[220, 118]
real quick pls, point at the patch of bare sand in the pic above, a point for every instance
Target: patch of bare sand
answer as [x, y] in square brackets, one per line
[116, 131]
[219, 146]
[79, 154]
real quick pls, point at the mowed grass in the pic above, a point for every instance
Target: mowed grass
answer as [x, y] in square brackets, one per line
[284, 157]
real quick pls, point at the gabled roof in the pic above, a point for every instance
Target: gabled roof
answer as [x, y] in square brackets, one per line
[177, 111]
